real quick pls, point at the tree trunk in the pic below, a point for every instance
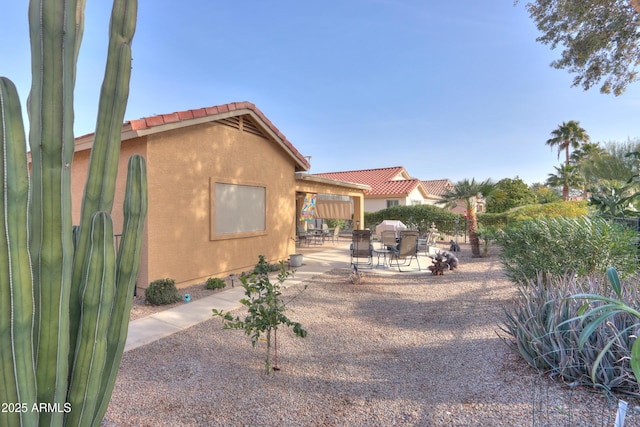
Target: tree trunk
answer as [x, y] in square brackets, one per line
[472, 227]
[565, 187]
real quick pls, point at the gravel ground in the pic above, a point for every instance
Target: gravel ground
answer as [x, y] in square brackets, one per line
[393, 350]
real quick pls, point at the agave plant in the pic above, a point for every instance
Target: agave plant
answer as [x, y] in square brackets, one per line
[64, 293]
[549, 327]
[598, 310]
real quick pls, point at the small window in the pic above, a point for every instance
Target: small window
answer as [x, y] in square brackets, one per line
[393, 203]
[237, 210]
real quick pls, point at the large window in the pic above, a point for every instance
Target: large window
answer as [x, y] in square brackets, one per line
[237, 210]
[393, 203]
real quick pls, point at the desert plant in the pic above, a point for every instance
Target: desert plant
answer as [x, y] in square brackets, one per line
[558, 246]
[64, 294]
[215, 283]
[419, 217]
[545, 328]
[599, 309]
[162, 292]
[487, 235]
[266, 310]
[264, 267]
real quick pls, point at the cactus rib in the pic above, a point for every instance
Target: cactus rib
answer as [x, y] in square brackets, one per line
[128, 263]
[103, 163]
[16, 294]
[98, 284]
[53, 47]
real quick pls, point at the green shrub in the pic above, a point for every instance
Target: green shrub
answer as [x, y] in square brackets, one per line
[493, 220]
[511, 218]
[419, 217]
[161, 292]
[263, 267]
[215, 283]
[572, 209]
[542, 327]
[559, 246]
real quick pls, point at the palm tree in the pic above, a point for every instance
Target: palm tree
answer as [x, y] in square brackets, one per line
[468, 192]
[589, 158]
[568, 135]
[587, 151]
[566, 176]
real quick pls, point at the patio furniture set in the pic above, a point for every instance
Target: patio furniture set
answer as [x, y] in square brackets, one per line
[317, 236]
[393, 248]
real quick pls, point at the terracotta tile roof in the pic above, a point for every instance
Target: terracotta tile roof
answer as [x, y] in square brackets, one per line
[380, 180]
[145, 125]
[437, 187]
[401, 187]
[239, 107]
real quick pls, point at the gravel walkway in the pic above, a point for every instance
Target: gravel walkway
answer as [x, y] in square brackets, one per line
[393, 350]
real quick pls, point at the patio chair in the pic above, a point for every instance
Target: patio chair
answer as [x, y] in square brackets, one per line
[334, 236]
[407, 250]
[428, 243]
[388, 239]
[361, 247]
[302, 234]
[326, 233]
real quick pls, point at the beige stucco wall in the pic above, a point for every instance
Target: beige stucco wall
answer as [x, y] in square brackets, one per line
[182, 165]
[415, 196]
[79, 170]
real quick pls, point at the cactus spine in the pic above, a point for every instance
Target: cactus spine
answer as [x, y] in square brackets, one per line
[64, 294]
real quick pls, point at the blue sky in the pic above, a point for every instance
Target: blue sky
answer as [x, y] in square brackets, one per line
[447, 89]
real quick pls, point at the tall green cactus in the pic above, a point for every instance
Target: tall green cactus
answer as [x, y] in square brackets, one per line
[65, 295]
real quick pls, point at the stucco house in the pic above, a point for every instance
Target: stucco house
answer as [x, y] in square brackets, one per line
[224, 188]
[437, 187]
[389, 187]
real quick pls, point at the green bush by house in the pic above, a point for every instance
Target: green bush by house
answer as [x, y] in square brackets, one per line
[215, 283]
[418, 217]
[162, 292]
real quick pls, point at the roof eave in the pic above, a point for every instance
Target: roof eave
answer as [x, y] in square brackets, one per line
[313, 178]
[130, 130]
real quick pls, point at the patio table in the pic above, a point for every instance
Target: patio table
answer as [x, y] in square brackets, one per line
[382, 253]
[317, 236]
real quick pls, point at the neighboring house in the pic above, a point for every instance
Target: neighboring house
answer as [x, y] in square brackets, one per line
[391, 186]
[224, 188]
[435, 188]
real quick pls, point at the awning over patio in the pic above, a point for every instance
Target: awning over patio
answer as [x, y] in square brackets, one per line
[334, 209]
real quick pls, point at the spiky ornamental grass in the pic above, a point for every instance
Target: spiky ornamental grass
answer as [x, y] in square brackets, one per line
[544, 326]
